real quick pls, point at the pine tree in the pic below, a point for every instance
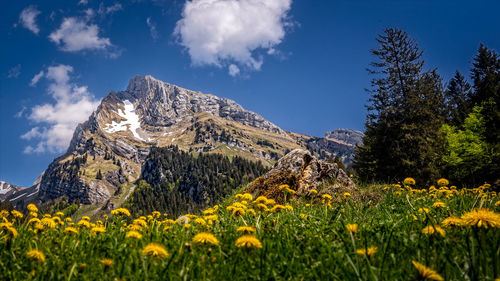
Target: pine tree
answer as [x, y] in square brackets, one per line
[405, 113]
[99, 175]
[458, 95]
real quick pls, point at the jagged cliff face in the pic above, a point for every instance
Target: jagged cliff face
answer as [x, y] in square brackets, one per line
[106, 152]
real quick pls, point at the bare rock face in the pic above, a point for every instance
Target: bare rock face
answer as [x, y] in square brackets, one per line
[302, 172]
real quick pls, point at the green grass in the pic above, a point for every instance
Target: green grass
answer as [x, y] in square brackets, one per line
[316, 246]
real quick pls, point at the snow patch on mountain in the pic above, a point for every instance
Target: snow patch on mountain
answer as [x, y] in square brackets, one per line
[131, 121]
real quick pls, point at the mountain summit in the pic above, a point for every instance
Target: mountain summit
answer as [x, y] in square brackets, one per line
[107, 152]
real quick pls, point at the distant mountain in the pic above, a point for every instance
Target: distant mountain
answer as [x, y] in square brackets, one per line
[7, 190]
[108, 151]
[340, 142]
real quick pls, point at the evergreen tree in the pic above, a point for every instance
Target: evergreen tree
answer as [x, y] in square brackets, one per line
[99, 175]
[458, 95]
[405, 113]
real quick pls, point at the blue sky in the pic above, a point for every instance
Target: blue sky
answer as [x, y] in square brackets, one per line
[299, 63]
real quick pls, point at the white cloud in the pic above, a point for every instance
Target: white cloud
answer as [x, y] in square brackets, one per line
[14, 72]
[27, 18]
[56, 121]
[36, 78]
[77, 34]
[83, 2]
[152, 28]
[227, 32]
[234, 70]
[110, 9]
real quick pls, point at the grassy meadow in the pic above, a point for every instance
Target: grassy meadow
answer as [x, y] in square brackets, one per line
[396, 232]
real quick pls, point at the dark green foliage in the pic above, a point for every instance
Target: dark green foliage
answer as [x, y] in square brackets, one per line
[6, 205]
[176, 182]
[405, 114]
[99, 175]
[458, 95]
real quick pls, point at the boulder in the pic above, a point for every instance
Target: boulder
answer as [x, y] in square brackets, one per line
[302, 172]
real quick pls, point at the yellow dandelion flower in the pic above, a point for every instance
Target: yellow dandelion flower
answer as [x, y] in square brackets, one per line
[277, 208]
[139, 222]
[35, 255]
[155, 250]
[370, 251]
[308, 205]
[270, 202]
[443, 182]
[434, 229]
[33, 220]
[17, 214]
[205, 238]
[248, 241]
[438, 204]
[353, 228]
[262, 207]
[200, 221]
[121, 211]
[283, 186]
[481, 218]
[247, 196]
[167, 228]
[291, 191]
[47, 215]
[303, 216]
[187, 225]
[289, 207]
[246, 229]
[98, 229]
[87, 218]
[12, 231]
[347, 194]
[327, 196]
[497, 204]
[84, 223]
[48, 222]
[68, 219]
[32, 208]
[34, 214]
[60, 214]
[237, 212]
[409, 181]
[156, 214]
[70, 230]
[451, 221]
[313, 191]
[211, 218]
[134, 227]
[251, 211]
[426, 273]
[107, 262]
[424, 210]
[260, 200]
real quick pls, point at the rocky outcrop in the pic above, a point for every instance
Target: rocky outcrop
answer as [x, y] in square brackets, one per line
[302, 172]
[7, 190]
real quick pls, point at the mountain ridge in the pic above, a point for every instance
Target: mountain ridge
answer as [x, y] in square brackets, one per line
[119, 134]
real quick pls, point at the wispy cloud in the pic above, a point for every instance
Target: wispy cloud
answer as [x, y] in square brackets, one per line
[14, 72]
[152, 28]
[56, 121]
[103, 10]
[37, 78]
[27, 18]
[227, 32]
